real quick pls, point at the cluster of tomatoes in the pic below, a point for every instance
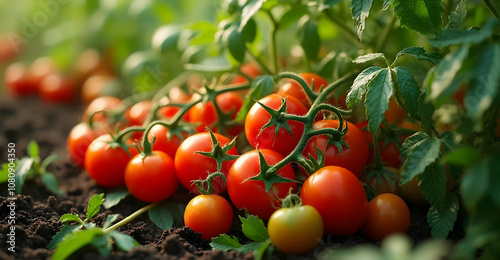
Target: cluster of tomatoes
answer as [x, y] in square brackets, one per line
[183, 138]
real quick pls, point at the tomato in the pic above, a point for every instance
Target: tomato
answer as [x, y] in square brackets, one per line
[98, 85]
[177, 96]
[79, 139]
[163, 143]
[249, 69]
[8, 48]
[394, 114]
[40, 69]
[190, 165]
[107, 103]
[251, 194]
[210, 215]
[138, 113]
[353, 158]
[91, 62]
[151, 178]
[387, 214]
[297, 229]
[18, 81]
[293, 88]
[384, 186]
[339, 197]
[57, 89]
[106, 163]
[265, 138]
[228, 102]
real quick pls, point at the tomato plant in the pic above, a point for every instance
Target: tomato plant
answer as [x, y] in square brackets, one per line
[79, 139]
[210, 215]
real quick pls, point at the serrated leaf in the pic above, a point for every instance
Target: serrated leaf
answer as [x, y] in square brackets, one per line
[110, 220]
[458, 15]
[235, 43]
[33, 149]
[22, 170]
[59, 236]
[409, 90]
[114, 198]
[70, 217]
[359, 86]
[410, 143]
[123, 242]
[484, 87]
[380, 90]
[425, 111]
[94, 205]
[50, 181]
[262, 86]
[75, 241]
[247, 248]
[442, 221]
[448, 141]
[368, 57]
[259, 252]
[423, 16]
[386, 4]
[419, 53]
[291, 17]
[421, 155]
[463, 156]
[474, 184]
[225, 243]
[250, 9]
[360, 10]
[451, 37]
[309, 38]
[253, 227]
[440, 77]
[433, 185]
[161, 217]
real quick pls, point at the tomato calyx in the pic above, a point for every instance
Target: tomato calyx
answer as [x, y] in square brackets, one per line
[205, 187]
[219, 153]
[268, 174]
[278, 119]
[292, 200]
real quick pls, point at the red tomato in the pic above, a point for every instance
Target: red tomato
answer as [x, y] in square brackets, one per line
[163, 143]
[387, 214]
[40, 69]
[339, 197]
[151, 178]
[257, 117]
[190, 165]
[18, 81]
[57, 89]
[251, 194]
[177, 96]
[137, 113]
[353, 158]
[207, 115]
[99, 104]
[293, 88]
[106, 163]
[249, 69]
[394, 114]
[210, 215]
[79, 139]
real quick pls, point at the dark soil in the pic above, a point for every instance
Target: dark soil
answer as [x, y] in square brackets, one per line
[38, 211]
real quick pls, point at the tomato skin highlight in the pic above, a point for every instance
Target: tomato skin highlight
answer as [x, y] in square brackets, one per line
[78, 141]
[190, 165]
[387, 214]
[210, 215]
[257, 117]
[251, 194]
[98, 104]
[151, 178]
[297, 230]
[353, 158]
[162, 143]
[339, 197]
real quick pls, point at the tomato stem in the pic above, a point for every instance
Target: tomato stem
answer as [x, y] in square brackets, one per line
[130, 217]
[292, 200]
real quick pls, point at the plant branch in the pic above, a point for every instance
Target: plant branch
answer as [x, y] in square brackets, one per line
[131, 217]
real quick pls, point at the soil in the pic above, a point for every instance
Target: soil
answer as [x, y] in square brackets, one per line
[38, 211]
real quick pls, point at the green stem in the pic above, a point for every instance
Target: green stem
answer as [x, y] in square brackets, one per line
[261, 63]
[492, 8]
[146, 145]
[130, 217]
[273, 38]
[378, 161]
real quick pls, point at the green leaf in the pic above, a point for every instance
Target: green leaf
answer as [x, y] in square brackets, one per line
[235, 43]
[205, 32]
[50, 181]
[110, 220]
[4, 172]
[451, 37]
[474, 184]
[423, 16]
[259, 252]
[463, 156]
[22, 170]
[123, 242]
[161, 217]
[247, 248]
[59, 236]
[411, 143]
[225, 243]
[114, 198]
[419, 53]
[291, 17]
[70, 217]
[253, 227]
[50, 159]
[421, 155]
[409, 91]
[368, 57]
[103, 244]
[433, 185]
[166, 38]
[249, 31]
[440, 77]
[250, 9]
[380, 90]
[458, 15]
[309, 38]
[359, 86]
[481, 93]
[386, 4]
[426, 111]
[94, 205]
[442, 221]
[33, 149]
[360, 10]
[74, 241]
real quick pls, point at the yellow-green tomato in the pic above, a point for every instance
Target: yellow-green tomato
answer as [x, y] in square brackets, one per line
[297, 229]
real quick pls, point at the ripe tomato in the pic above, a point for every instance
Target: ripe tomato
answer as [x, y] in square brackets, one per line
[79, 139]
[176, 96]
[257, 117]
[191, 166]
[339, 197]
[210, 215]
[387, 214]
[249, 69]
[353, 158]
[207, 115]
[18, 81]
[99, 104]
[297, 229]
[394, 114]
[40, 69]
[293, 88]
[162, 143]
[137, 113]
[106, 163]
[57, 89]
[151, 178]
[251, 194]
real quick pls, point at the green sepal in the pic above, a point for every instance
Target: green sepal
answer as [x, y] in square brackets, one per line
[269, 178]
[276, 119]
